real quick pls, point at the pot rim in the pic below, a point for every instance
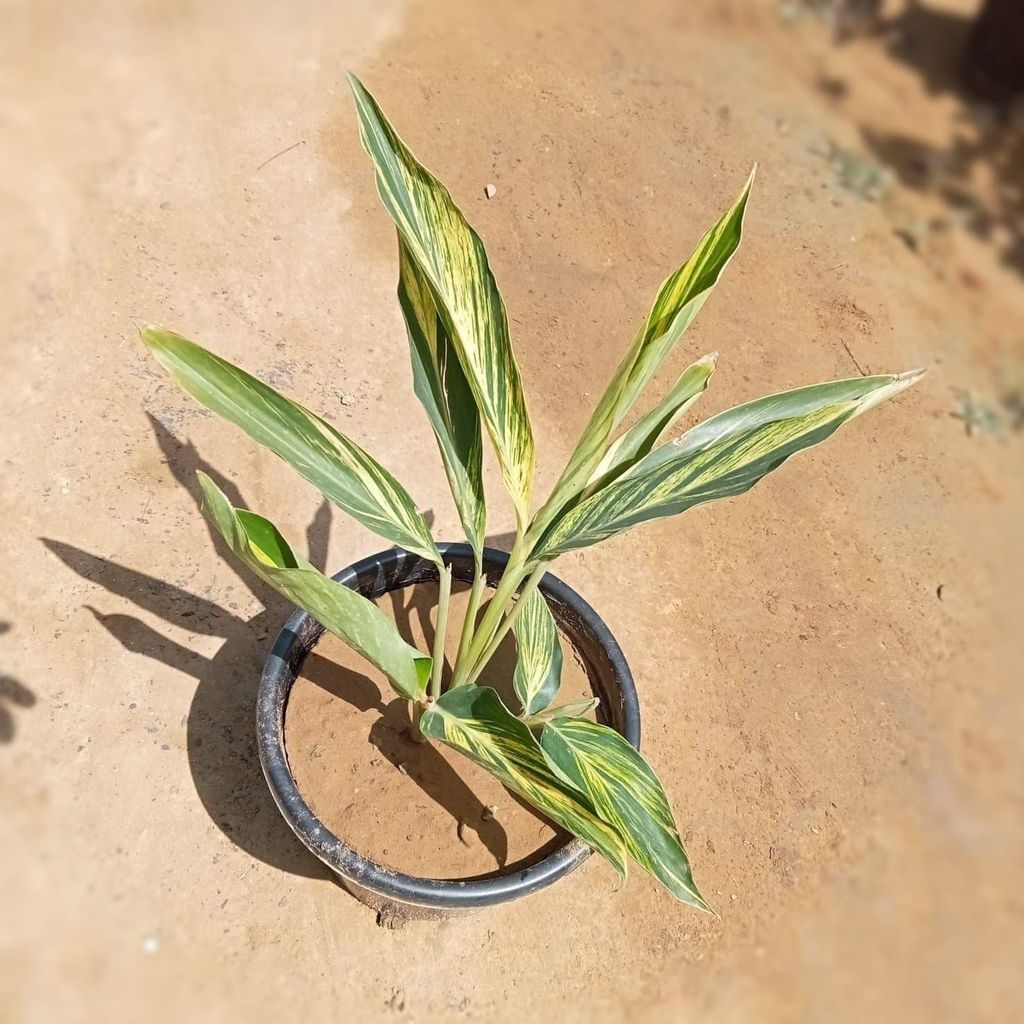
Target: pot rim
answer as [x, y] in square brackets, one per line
[373, 576]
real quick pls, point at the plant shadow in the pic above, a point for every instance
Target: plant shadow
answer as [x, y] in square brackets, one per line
[13, 692]
[221, 742]
[953, 55]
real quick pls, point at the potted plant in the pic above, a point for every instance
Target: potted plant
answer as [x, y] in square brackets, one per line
[587, 776]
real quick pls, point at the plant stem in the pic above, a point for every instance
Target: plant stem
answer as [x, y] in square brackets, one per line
[508, 622]
[469, 623]
[445, 590]
[506, 589]
[507, 586]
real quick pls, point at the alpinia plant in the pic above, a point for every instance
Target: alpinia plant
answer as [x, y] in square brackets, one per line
[582, 775]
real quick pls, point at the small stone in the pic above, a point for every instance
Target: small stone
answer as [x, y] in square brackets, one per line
[150, 944]
[490, 191]
[489, 812]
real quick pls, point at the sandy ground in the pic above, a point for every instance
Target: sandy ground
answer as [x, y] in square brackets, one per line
[829, 667]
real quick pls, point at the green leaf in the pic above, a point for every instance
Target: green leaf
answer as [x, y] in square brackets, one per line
[642, 437]
[678, 301]
[721, 457]
[452, 260]
[538, 672]
[338, 467]
[574, 709]
[473, 720]
[358, 621]
[627, 795]
[441, 386]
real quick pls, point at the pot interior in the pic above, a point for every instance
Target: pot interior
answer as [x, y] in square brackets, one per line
[354, 814]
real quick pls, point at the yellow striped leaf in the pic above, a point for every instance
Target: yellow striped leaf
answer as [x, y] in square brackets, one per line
[538, 673]
[574, 709]
[336, 466]
[441, 386]
[358, 621]
[679, 300]
[641, 438]
[626, 794]
[473, 720]
[452, 260]
[721, 457]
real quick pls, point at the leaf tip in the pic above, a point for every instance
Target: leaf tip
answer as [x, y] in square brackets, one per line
[910, 376]
[147, 331]
[694, 899]
[207, 486]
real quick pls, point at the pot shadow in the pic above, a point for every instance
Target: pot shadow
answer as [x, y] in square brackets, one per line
[220, 733]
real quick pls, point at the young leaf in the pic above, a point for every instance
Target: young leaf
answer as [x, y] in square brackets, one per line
[721, 457]
[452, 260]
[627, 795]
[358, 621]
[473, 720]
[338, 467]
[641, 438]
[678, 301]
[574, 709]
[538, 673]
[441, 386]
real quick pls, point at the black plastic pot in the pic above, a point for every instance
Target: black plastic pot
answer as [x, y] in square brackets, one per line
[375, 884]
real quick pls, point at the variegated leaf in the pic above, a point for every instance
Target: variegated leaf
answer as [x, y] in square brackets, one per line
[641, 438]
[441, 386]
[538, 673]
[473, 720]
[627, 795]
[358, 621]
[678, 301]
[451, 258]
[574, 709]
[723, 456]
[336, 466]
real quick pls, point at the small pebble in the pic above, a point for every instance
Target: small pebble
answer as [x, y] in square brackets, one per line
[150, 944]
[490, 191]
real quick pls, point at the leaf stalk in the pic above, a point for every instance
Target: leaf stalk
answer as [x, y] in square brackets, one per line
[444, 594]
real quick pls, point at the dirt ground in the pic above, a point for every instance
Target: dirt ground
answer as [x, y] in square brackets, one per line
[829, 668]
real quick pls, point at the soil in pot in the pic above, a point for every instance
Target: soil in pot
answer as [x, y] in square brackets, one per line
[418, 808]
